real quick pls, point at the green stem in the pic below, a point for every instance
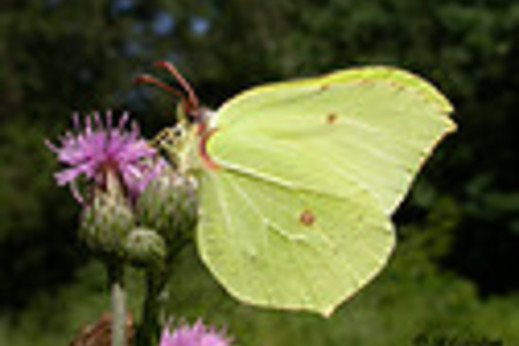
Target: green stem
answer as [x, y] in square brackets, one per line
[149, 330]
[118, 297]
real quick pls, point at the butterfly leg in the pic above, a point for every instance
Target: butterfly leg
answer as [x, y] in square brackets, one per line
[165, 135]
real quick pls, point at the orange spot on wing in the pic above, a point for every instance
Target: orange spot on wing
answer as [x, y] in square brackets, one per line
[307, 218]
[332, 118]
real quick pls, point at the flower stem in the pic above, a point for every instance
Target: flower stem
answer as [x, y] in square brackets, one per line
[118, 297]
[149, 330]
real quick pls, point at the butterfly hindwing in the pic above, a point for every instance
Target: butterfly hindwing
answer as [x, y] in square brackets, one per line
[275, 245]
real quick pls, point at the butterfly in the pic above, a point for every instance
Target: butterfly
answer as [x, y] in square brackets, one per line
[298, 180]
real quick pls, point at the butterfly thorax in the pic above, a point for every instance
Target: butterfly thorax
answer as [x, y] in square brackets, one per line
[181, 144]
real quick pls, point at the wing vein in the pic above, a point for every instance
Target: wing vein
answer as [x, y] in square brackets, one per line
[228, 223]
[261, 214]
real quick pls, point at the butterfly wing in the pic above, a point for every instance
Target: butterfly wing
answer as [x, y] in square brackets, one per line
[285, 246]
[296, 215]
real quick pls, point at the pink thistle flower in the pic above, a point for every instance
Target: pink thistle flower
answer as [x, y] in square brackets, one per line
[100, 148]
[196, 335]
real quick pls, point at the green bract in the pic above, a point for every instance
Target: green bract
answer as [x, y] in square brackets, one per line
[105, 224]
[145, 248]
[169, 205]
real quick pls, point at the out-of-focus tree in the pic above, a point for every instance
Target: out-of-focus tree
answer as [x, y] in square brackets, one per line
[58, 56]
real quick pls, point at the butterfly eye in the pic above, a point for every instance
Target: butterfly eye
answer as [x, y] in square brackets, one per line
[178, 132]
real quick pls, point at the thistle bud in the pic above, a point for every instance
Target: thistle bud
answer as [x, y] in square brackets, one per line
[105, 223]
[169, 204]
[145, 248]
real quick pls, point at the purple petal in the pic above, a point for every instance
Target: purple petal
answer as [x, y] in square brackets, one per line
[75, 193]
[197, 335]
[66, 176]
[51, 146]
[123, 121]
[109, 119]
[88, 126]
[75, 119]
[98, 148]
[97, 121]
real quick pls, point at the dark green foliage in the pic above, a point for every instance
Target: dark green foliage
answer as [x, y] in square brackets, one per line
[454, 270]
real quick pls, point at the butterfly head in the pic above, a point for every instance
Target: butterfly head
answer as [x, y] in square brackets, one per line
[188, 137]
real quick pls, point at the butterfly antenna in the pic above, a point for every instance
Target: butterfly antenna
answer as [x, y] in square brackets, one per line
[147, 79]
[193, 100]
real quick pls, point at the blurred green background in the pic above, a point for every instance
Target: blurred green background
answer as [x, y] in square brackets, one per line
[454, 273]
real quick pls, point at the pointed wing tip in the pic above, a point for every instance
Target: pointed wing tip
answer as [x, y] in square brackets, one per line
[451, 126]
[429, 91]
[424, 87]
[327, 312]
[398, 76]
